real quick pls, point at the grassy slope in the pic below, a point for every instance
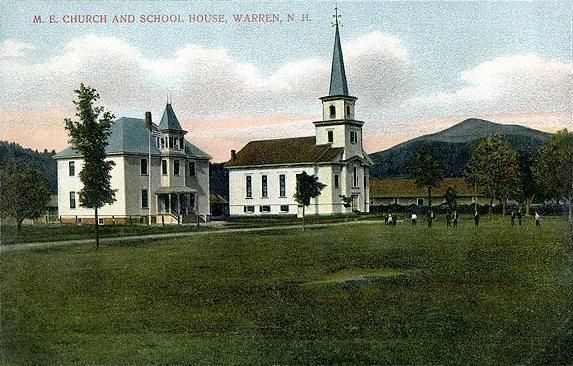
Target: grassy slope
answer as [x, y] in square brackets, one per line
[495, 295]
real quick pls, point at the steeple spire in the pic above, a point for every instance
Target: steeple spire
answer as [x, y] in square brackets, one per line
[338, 85]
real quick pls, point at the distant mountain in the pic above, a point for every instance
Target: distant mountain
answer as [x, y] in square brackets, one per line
[12, 153]
[454, 145]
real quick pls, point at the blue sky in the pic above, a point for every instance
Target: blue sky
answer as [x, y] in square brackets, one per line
[416, 67]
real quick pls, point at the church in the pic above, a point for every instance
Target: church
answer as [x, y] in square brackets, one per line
[262, 175]
[162, 178]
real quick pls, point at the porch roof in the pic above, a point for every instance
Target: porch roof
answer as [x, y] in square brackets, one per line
[167, 190]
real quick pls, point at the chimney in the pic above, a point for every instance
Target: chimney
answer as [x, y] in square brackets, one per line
[233, 155]
[148, 120]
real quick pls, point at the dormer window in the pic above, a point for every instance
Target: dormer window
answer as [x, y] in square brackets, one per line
[332, 110]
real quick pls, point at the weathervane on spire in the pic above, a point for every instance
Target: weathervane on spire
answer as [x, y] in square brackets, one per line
[336, 21]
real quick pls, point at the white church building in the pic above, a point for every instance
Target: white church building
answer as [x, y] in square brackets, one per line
[170, 187]
[262, 175]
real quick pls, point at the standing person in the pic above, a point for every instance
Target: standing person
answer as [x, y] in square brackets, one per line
[386, 219]
[394, 220]
[476, 218]
[512, 218]
[414, 219]
[455, 218]
[519, 216]
[390, 218]
[537, 219]
[430, 216]
[448, 219]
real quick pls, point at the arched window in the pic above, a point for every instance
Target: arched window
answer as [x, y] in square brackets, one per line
[332, 111]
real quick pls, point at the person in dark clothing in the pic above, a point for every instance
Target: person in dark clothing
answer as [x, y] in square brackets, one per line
[519, 216]
[394, 220]
[476, 218]
[430, 216]
[512, 218]
[537, 220]
[448, 219]
[386, 217]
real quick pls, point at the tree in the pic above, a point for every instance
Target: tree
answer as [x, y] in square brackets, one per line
[89, 137]
[427, 169]
[493, 167]
[307, 187]
[554, 168]
[529, 188]
[25, 193]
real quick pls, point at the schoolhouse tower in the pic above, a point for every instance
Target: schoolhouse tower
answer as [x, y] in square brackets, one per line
[172, 147]
[338, 126]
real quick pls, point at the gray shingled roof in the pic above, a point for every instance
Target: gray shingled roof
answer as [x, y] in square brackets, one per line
[129, 136]
[284, 151]
[338, 84]
[169, 120]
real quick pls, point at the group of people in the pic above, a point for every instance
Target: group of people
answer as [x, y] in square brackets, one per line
[452, 218]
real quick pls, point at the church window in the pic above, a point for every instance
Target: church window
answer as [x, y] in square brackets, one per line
[72, 199]
[191, 168]
[282, 185]
[336, 183]
[249, 209]
[176, 167]
[164, 167]
[162, 143]
[330, 136]
[143, 166]
[353, 137]
[264, 186]
[170, 142]
[72, 168]
[332, 110]
[355, 177]
[249, 186]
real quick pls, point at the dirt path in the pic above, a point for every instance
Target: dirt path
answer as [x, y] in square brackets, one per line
[49, 244]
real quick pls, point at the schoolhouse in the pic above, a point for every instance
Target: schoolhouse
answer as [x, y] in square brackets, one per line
[262, 175]
[170, 187]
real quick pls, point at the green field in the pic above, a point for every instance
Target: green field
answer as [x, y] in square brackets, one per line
[355, 294]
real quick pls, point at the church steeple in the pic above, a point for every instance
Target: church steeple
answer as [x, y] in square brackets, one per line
[338, 84]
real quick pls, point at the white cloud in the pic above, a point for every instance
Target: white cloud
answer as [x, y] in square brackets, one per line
[516, 84]
[14, 49]
[206, 81]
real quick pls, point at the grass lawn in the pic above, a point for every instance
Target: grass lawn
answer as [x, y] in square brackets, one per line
[57, 232]
[357, 294]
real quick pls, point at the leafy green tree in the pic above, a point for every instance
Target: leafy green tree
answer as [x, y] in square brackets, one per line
[529, 188]
[493, 167]
[307, 187]
[89, 137]
[25, 193]
[554, 168]
[427, 169]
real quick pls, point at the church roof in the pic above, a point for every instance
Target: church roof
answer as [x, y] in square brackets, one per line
[129, 136]
[284, 151]
[169, 120]
[338, 84]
